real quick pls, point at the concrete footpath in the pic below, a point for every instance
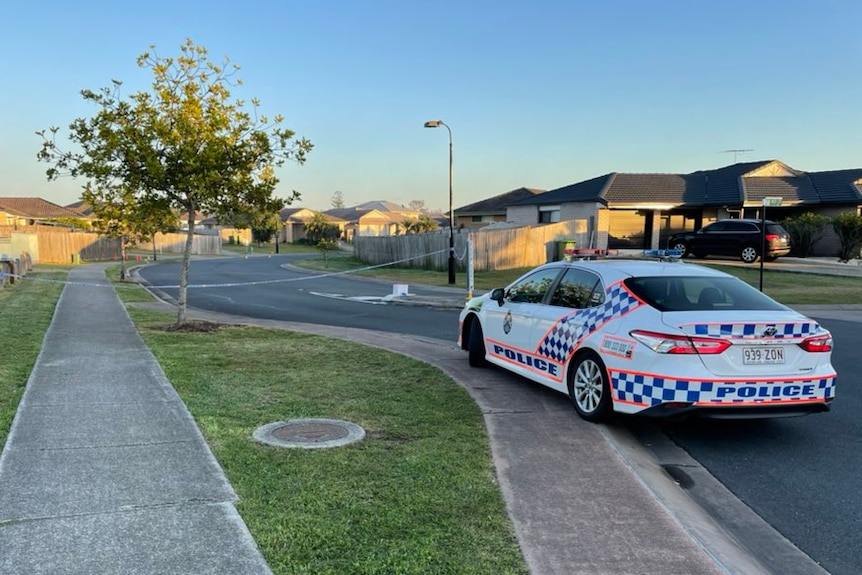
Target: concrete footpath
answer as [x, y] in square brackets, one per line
[104, 470]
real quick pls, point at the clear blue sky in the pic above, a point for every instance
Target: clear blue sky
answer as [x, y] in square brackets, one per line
[538, 94]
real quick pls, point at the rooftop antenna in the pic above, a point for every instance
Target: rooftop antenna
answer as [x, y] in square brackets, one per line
[736, 152]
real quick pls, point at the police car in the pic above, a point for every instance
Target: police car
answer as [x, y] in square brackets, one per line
[652, 337]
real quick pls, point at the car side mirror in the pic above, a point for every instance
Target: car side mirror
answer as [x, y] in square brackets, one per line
[498, 295]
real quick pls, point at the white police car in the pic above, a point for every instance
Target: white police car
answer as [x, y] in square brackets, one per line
[652, 337]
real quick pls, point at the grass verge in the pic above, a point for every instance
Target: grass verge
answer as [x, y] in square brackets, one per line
[346, 263]
[418, 495]
[26, 309]
[790, 288]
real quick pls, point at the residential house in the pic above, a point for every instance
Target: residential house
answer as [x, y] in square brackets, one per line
[377, 218]
[642, 210]
[492, 210]
[29, 211]
[293, 221]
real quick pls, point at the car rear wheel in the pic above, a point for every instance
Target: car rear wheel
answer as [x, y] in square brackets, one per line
[589, 388]
[476, 346]
[749, 254]
[681, 247]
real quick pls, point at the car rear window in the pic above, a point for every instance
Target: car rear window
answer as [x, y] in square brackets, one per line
[696, 293]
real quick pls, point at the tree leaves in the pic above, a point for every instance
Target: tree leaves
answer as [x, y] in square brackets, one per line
[184, 146]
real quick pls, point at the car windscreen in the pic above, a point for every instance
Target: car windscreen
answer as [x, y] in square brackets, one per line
[695, 293]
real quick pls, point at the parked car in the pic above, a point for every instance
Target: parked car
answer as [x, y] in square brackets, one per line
[739, 238]
[652, 338]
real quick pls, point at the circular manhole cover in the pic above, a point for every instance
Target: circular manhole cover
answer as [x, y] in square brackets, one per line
[309, 433]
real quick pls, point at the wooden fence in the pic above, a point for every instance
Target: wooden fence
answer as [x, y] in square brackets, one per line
[494, 249]
[65, 246]
[176, 243]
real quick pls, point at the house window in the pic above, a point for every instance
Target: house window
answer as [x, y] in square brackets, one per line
[627, 230]
[476, 218]
[549, 214]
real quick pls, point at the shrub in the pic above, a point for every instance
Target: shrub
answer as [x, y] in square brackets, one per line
[805, 230]
[849, 229]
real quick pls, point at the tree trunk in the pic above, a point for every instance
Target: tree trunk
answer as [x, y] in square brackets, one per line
[122, 258]
[184, 270]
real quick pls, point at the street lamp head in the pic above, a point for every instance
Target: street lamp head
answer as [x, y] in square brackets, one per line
[434, 123]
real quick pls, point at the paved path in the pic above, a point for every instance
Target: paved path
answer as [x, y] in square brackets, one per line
[104, 470]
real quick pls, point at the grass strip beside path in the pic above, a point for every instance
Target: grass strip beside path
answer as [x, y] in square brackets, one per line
[789, 288]
[417, 495]
[26, 309]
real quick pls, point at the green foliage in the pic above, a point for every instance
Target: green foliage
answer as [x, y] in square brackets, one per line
[848, 226]
[264, 226]
[805, 230]
[78, 223]
[185, 145]
[327, 245]
[319, 228]
[419, 226]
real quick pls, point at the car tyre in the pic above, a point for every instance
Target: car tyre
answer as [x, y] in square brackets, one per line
[681, 247]
[749, 254]
[589, 387]
[476, 346]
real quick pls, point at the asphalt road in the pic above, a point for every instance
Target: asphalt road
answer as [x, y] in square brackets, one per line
[260, 287]
[802, 475]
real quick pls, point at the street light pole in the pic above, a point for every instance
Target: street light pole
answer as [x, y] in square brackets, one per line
[437, 124]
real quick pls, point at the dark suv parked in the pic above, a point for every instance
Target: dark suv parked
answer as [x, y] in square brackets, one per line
[738, 238]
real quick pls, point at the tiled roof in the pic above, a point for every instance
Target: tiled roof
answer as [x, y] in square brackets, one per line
[645, 188]
[589, 190]
[791, 189]
[723, 186]
[82, 208]
[837, 186]
[35, 208]
[383, 206]
[497, 204]
[346, 214]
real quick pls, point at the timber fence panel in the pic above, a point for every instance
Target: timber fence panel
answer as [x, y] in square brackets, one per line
[176, 243]
[496, 249]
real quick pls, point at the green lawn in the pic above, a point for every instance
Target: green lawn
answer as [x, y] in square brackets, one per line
[787, 287]
[26, 309]
[418, 495]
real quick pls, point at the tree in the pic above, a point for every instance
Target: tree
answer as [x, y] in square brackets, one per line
[805, 230]
[318, 229]
[185, 144]
[848, 226]
[417, 205]
[337, 200]
[120, 216]
[419, 226]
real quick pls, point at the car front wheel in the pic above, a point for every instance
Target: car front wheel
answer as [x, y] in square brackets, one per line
[476, 346]
[681, 247]
[748, 254]
[589, 387]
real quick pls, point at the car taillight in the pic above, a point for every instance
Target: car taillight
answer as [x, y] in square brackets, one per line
[771, 237]
[818, 344]
[679, 344]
